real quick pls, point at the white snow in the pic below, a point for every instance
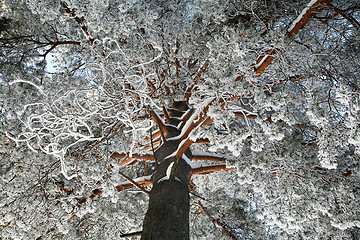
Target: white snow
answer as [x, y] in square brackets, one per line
[188, 161]
[168, 173]
[187, 125]
[28, 82]
[196, 152]
[261, 62]
[194, 116]
[177, 150]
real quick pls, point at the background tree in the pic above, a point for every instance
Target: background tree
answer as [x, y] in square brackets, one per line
[282, 82]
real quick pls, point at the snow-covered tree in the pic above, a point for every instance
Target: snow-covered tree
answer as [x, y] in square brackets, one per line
[113, 112]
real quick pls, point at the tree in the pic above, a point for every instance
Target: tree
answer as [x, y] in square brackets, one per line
[152, 95]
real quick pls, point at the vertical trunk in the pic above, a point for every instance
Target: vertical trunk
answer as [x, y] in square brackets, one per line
[167, 217]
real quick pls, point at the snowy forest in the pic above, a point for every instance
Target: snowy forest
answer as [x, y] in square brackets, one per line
[180, 119]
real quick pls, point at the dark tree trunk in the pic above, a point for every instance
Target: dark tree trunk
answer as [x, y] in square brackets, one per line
[167, 217]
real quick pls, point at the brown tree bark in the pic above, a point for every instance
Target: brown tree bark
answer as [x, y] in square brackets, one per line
[167, 217]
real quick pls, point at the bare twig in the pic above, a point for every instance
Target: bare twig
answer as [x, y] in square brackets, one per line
[351, 19]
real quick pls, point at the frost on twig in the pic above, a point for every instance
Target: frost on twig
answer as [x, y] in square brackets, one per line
[72, 119]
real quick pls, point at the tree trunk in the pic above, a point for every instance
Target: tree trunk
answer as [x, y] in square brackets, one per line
[167, 217]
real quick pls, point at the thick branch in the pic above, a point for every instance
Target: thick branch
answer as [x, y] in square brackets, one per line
[185, 145]
[151, 85]
[134, 156]
[95, 192]
[134, 234]
[156, 144]
[200, 120]
[134, 183]
[305, 16]
[69, 191]
[125, 186]
[166, 114]
[186, 117]
[264, 61]
[154, 136]
[55, 44]
[210, 169]
[208, 158]
[184, 140]
[241, 114]
[158, 121]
